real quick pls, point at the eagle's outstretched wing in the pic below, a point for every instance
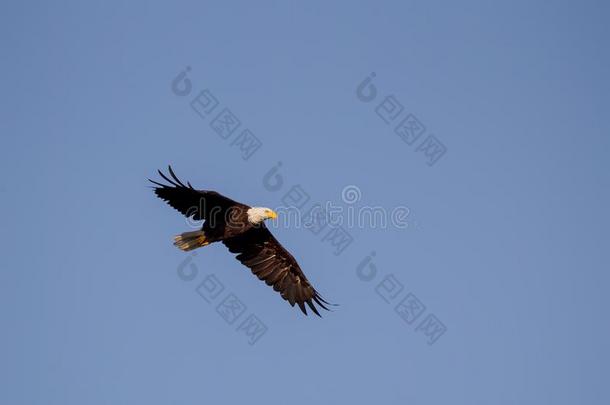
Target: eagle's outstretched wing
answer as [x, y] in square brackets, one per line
[190, 202]
[270, 261]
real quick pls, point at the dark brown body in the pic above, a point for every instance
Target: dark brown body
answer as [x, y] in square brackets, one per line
[225, 224]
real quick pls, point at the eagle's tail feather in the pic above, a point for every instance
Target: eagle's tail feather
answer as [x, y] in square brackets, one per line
[190, 240]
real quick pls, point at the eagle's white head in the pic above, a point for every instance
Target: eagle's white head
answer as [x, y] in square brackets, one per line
[256, 215]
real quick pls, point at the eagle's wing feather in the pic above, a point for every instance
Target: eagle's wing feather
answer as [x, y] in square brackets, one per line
[258, 250]
[190, 202]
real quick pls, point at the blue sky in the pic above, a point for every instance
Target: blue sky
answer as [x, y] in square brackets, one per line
[507, 235]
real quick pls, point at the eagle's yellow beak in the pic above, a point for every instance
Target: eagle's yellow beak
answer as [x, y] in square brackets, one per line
[273, 215]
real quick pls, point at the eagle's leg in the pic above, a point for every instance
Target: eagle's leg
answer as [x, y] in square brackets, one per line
[191, 240]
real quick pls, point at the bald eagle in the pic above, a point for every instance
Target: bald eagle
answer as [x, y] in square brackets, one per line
[242, 230]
